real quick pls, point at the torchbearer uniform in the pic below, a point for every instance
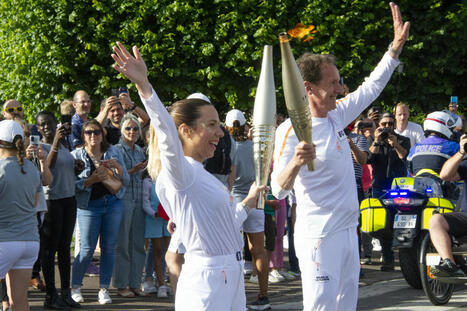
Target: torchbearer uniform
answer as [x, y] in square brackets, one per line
[208, 223]
[327, 204]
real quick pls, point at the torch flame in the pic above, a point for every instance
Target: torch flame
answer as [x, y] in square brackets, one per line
[301, 31]
[283, 37]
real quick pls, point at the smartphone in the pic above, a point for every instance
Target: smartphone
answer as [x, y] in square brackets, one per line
[66, 118]
[122, 89]
[34, 140]
[454, 100]
[114, 92]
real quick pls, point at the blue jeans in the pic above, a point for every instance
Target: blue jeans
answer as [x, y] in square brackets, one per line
[103, 218]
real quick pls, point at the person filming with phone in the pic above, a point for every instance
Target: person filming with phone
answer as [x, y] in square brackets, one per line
[388, 152]
[113, 110]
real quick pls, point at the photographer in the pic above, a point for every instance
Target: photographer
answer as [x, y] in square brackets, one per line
[113, 110]
[388, 152]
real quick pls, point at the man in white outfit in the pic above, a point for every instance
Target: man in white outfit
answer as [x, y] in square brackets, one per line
[404, 127]
[327, 205]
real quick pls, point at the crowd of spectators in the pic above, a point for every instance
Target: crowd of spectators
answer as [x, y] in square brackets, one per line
[93, 173]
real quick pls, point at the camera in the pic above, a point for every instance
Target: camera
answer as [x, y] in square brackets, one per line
[114, 92]
[34, 140]
[120, 90]
[384, 133]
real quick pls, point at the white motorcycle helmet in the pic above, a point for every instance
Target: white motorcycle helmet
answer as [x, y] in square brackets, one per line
[439, 122]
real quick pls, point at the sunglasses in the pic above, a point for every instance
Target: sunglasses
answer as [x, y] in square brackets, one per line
[134, 128]
[13, 109]
[387, 123]
[90, 132]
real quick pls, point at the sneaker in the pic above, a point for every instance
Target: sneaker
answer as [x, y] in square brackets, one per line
[247, 267]
[447, 269]
[387, 267]
[148, 287]
[294, 273]
[93, 270]
[365, 261]
[104, 297]
[262, 303]
[55, 302]
[376, 245]
[275, 277]
[286, 275]
[65, 295]
[253, 279]
[162, 291]
[76, 295]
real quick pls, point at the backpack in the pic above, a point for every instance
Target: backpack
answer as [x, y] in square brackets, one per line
[221, 163]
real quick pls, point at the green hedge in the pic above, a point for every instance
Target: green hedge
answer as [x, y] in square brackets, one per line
[49, 49]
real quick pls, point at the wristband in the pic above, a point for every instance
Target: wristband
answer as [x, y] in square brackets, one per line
[395, 52]
[246, 208]
[54, 150]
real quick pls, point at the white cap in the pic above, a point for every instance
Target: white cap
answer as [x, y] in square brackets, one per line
[9, 129]
[234, 115]
[199, 96]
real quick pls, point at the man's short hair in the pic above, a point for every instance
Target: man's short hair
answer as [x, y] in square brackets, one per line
[401, 105]
[310, 65]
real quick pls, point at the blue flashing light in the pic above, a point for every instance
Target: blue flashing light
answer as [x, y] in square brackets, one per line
[404, 193]
[428, 190]
[393, 193]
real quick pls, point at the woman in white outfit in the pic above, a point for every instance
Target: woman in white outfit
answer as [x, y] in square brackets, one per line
[206, 214]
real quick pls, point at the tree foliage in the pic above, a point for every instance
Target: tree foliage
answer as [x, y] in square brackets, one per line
[50, 49]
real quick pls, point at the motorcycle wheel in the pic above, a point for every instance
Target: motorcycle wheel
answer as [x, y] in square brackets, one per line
[408, 260]
[439, 293]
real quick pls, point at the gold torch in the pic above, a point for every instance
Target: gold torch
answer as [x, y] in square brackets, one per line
[264, 122]
[295, 95]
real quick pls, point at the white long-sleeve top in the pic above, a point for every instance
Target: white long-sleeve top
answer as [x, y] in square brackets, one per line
[205, 213]
[327, 197]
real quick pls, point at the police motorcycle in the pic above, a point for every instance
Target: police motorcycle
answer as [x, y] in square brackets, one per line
[403, 213]
[440, 289]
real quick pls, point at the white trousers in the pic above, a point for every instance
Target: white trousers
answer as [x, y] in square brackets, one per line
[211, 284]
[330, 269]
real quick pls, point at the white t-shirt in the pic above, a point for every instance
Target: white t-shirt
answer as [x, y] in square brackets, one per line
[327, 197]
[207, 217]
[413, 131]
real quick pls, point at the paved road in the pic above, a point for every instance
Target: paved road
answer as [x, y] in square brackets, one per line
[378, 291]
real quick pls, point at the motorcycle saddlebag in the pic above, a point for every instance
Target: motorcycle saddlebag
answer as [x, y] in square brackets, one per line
[435, 204]
[375, 217]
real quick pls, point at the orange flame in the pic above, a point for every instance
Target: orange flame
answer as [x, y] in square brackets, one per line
[300, 31]
[283, 37]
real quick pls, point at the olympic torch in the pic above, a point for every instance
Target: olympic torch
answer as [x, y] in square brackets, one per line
[264, 122]
[295, 95]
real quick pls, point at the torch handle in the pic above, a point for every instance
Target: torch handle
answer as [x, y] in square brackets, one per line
[261, 201]
[311, 166]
